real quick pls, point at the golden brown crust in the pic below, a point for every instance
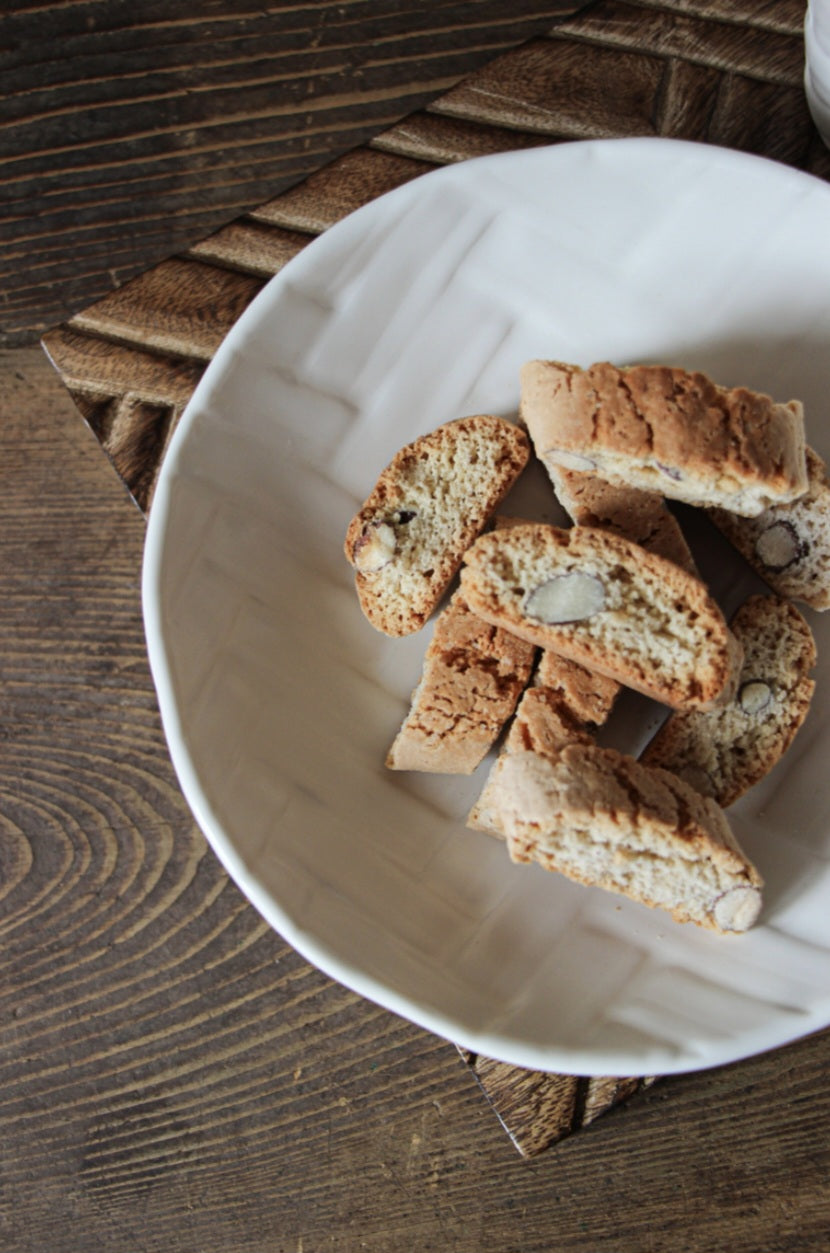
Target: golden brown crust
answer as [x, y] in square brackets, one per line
[472, 678]
[605, 820]
[555, 710]
[655, 426]
[543, 724]
[407, 540]
[637, 515]
[588, 696]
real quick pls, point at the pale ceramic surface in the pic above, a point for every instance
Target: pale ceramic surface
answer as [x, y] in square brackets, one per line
[817, 65]
[279, 700]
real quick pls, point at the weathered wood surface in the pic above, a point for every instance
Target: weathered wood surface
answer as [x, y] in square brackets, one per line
[128, 131]
[175, 1078]
[726, 72]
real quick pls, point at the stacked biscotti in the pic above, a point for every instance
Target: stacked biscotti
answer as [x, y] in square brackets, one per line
[548, 623]
[659, 428]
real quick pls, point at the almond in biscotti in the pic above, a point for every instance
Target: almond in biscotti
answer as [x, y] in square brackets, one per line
[436, 495]
[667, 430]
[624, 612]
[789, 545]
[724, 752]
[607, 821]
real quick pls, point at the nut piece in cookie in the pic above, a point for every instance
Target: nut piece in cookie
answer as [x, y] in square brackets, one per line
[789, 545]
[570, 597]
[375, 547]
[605, 820]
[723, 752]
[608, 604]
[436, 495]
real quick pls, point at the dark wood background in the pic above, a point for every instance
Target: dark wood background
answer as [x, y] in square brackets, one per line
[131, 128]
[174, 1076]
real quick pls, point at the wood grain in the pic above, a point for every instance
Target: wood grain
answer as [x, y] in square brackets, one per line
[706, 70]
[249, 247]
[129, 131]
[180, 307]
[175, 1077]
[766, 52]
[702, 76]
[337, 189]
[538, 1109]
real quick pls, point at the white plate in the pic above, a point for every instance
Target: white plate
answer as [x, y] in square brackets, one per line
[279, 700]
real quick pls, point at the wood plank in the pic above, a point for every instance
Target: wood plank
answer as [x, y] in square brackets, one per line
[686, 101]
[538, 1109]
[742, 48]
[428, 136]
[785, 16]
[562, 89]
[134, 434]
[338, 188]
[249, 247]
[95, 367]
[129, 133]
[762, 118]
[181, 307]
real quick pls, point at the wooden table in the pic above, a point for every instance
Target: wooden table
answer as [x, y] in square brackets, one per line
[175, 1075]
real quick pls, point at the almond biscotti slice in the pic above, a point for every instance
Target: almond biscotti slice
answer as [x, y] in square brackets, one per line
[473, 675]
[558, 708]
[605, 820]
[406, 542]
[789, 545]
[723, 752]
[661, 428]
[607, 604]
[543, 724]
[585, 695]
[638, 515]
[642, 517]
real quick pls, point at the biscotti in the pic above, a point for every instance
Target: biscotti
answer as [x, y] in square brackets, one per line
[637, 515]
[607, 604]
[587, 696]
[664, 429]
[722, 753]
[789, 545]
[605, 820]
[542, 724]
[406, 542]
[472, 678]
[560, 706]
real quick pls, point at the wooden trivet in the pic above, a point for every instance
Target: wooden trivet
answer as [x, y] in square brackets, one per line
[727, 72]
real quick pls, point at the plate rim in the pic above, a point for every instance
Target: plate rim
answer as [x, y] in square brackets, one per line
[503, 1047]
